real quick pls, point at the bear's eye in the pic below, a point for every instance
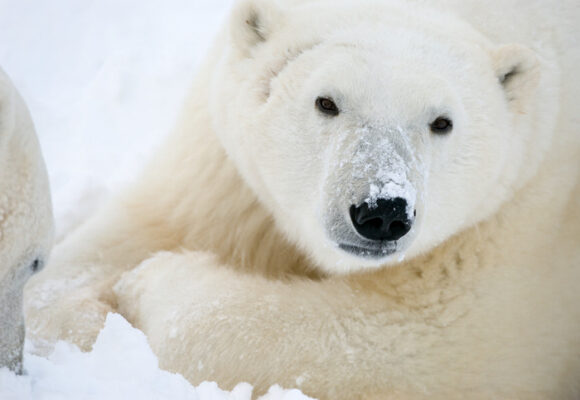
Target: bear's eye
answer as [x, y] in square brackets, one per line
[441, 125]
[326, 106]
[36, 265]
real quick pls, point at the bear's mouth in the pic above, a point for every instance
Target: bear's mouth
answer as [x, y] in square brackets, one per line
[373, 252]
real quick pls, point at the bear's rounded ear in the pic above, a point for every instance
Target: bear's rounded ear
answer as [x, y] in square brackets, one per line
[517, 70]
[252, 22]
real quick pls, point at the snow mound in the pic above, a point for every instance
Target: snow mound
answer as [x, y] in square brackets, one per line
[120, 366]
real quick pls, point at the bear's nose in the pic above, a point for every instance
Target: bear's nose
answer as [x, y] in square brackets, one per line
[388, 220]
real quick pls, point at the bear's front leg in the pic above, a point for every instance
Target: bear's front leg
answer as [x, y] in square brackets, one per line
[209, 322]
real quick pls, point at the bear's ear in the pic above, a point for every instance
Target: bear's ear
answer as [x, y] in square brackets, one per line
[252, 22]
[517, 70]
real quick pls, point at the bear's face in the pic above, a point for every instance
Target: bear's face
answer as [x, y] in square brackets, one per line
[368, 136]
[26, 224]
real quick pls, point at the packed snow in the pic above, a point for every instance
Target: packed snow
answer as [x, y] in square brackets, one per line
[104, 80]
[121, 366]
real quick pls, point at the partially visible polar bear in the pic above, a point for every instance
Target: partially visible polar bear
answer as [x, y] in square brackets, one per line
[363, 199]
[25, 217]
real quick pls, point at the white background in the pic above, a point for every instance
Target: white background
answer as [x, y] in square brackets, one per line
[104, 81]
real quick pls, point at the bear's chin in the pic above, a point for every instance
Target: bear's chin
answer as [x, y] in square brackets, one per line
[351, 253]
[347, 258]
[370, 253]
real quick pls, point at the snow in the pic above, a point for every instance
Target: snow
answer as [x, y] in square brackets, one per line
[383, 160]
[120, 366]
[104, 80]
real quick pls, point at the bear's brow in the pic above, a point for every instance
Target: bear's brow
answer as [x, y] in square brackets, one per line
[292, 54]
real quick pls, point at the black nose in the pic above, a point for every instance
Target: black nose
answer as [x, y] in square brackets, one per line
[387, 221]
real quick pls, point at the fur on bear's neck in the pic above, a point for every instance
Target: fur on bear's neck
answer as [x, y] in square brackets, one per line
[211, 208]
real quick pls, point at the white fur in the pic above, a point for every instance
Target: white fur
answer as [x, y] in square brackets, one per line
[25, 217]
[248, 201]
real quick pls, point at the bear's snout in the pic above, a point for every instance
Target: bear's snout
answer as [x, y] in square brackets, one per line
[388, 220]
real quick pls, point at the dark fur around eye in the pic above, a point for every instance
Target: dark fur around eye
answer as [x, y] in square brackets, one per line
[36, 265]
[327, 106]
[441, 125]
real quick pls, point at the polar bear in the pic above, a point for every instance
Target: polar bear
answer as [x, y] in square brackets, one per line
[25, 217]
[370, 199]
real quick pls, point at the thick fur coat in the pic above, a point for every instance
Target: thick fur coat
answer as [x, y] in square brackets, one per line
[235, 252]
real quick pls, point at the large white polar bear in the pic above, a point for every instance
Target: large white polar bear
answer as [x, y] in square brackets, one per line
[365, 199]
[25, 217]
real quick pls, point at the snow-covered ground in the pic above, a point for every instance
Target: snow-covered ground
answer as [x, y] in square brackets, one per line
[104, 80]
[120, 367]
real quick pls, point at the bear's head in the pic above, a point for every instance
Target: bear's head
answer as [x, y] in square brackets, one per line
[374, 131]
[26, 224]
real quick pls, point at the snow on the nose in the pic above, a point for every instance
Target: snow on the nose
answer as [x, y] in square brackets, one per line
[379, 161]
